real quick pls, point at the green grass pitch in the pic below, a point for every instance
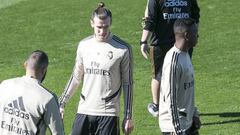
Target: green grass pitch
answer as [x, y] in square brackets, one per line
[56, 26]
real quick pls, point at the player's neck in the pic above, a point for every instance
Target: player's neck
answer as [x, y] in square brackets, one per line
[33, 74]
[181, 45]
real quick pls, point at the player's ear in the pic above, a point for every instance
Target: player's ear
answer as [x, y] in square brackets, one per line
[25, 64]
[92, 23]
[186, 36]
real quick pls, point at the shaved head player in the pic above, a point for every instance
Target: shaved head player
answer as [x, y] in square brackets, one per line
[26, 107]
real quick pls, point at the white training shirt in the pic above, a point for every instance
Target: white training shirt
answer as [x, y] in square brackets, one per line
[176, 107]
[105, 68]
[27, 108]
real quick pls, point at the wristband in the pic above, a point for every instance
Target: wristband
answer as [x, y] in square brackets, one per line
[143, 42]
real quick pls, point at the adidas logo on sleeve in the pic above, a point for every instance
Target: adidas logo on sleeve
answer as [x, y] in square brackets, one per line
[16, 108]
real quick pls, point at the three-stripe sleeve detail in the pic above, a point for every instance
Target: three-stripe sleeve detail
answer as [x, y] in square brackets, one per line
[173, 94]
[128, 88]
[39, 124]
[128, 109]
[64, 95]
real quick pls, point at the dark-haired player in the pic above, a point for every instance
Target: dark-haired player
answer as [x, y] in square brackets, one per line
[104, 63]
[178, 114]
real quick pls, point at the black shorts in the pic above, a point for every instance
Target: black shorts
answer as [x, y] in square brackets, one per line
[95, 125]
[157, 55]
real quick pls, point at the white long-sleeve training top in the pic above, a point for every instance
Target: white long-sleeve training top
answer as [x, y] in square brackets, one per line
[105, 68]
[27, 108]
[176, 107]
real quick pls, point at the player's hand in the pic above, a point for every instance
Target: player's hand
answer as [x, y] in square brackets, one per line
[127, 126]
[145, 50]
[61, 112]
[196, 122]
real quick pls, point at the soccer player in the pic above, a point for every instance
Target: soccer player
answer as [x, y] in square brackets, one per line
[104, 63]
[178, 114]
[158, 26]
[26, 107]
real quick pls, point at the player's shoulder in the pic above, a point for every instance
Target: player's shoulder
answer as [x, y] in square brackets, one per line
[87, 39]
[172, 54]
[48, 93]
[10, 81]
[85, 42]
[121, 42]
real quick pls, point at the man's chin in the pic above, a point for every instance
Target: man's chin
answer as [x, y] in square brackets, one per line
[101, 38]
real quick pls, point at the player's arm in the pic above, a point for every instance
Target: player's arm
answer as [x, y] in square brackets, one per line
[73, 82]
[149, 24]
[151, 15]
[174, 79]
[195, 11]
[52, 117]
[144, 44]
[127, 83]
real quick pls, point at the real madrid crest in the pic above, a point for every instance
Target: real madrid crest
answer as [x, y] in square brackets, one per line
[110, 55]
